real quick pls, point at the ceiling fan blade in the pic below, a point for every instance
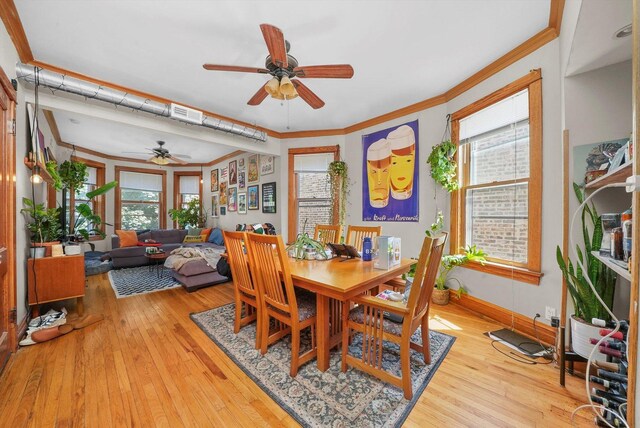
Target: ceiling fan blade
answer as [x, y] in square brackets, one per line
[306, 94]
[335, 71]
[180, 155]
[258, 97]
[274, 39]
[176, 160]
[218, 67]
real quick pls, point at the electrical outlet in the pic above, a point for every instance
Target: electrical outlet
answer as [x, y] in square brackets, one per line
[549, 312]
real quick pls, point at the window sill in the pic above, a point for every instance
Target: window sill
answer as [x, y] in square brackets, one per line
[506, 271]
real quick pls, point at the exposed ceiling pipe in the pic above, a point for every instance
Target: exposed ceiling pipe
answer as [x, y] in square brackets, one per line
[61, 82]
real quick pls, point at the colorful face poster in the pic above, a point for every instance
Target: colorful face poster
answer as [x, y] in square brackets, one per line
[233, 173]
[389, 174]
[214, 180]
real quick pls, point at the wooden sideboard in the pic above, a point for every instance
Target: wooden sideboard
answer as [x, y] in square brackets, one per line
[56, 278]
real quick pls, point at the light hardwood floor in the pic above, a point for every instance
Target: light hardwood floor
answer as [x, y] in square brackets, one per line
[148, 364]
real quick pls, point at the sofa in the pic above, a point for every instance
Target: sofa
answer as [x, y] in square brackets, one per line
[192, 276]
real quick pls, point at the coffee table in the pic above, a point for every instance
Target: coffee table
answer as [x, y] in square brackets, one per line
[157, 259]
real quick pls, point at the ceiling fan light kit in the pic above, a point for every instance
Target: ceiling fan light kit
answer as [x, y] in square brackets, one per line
[284, 68]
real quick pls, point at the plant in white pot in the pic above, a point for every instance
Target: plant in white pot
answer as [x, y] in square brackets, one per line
[585, 302]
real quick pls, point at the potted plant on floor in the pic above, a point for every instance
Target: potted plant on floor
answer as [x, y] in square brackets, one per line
[585, 302]
[441, 293]
[190, 216]
[87, 223]
[45, 225]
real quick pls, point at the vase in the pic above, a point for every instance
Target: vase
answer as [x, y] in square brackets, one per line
[36, 252]
[440, 297]
[47, 247]
[581, 332]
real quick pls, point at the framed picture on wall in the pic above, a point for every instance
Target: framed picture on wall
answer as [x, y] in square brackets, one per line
[215, 206]
[266, 164]
[233, 173]
[254, 202]
[232, 203]
[269, 198]
[223, 193]
[240, 164]
[253, 172]
[223, 210]
[242, 203]
[241, 181]
[214, 180]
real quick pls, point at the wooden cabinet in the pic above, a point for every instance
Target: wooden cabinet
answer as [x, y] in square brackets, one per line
[56, 278]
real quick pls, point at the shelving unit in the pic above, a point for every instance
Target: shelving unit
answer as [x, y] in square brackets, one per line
[613, 265]
[618, 175]
[43, 169]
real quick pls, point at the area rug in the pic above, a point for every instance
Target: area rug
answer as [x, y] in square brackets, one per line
[140, 280]
[324, 399]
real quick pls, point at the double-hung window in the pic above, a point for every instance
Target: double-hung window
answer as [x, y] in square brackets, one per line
[314, 205]
[140, 199]
[498, 204]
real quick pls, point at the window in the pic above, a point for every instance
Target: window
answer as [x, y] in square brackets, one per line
[95, 178]
[140, 199]
[497, 206]
[186, 188]
[310, 193]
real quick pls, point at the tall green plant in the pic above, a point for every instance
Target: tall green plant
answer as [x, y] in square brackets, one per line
[44, 225]
[87, 222]
[604, 279]
[191, 215]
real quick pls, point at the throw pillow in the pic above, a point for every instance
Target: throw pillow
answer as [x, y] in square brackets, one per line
[194, 231]
[216, 237]
[191, 238]
[205, 234]
[128, 238]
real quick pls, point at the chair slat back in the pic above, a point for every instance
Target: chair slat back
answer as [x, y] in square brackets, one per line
[235, 242]
[272, 274]
[425, 277]
[326, 233]
[355, 234]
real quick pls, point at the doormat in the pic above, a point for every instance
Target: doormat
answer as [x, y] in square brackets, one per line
[140, 280]
[324, 399]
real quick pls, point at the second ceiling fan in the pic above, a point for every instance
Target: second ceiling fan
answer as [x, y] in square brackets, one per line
[284, 68]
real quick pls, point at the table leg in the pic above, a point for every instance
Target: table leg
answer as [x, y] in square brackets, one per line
[322, 331]
[80, 305]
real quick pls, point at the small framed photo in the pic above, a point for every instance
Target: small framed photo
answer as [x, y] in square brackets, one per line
[223, 193]
[214, 180]
[267, 164]
[269, 198]
[223, 210]
[242, 203]
[240, 164]
[233, 199]
[233, 173]
[215, 206]
[253, 172]
[224, 172]
[253, 194]
[241, 180]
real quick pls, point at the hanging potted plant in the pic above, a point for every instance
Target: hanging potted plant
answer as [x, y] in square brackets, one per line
[44, 226]
[339, 182]
[72, 174]
[443, 165]
[585, 302]
[469, 254]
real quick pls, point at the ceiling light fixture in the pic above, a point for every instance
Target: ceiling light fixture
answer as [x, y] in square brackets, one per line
[158, 160]
[201, 176]
[281, 88]
[624, 32]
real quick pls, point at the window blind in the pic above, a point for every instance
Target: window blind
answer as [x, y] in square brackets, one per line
[312, 162]
[508, 111]
[92, 176]
[141, 181]
[190, 184]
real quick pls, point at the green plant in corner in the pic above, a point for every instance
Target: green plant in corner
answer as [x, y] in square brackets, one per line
[45, 224]
[469, 254]
[190, 216]
[443, 165]
[339, 182]
[72, 174]
[585, 302]
[87, 222]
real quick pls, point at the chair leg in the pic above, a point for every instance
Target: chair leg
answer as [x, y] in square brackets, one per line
[345, 335]
[426, 348]
[295, 351]
[236, 324]
[258, 329]
[406, 369]
[264, 337]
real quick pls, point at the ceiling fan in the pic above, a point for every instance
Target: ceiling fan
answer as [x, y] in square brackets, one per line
[161, 156]
[284, 67]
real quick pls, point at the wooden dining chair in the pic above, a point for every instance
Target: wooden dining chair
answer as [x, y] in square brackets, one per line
[270, 268]
[355, 234]
[327, 233]
[368, 319]
[245, 292]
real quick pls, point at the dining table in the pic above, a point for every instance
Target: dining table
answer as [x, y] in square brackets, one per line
[334, 282]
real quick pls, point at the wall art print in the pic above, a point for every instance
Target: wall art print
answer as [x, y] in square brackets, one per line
[242, 203]
[267, 164]
[389, 174]
[214, 180]
[233, 173]
[241, 181]
[215, 206]
[240, 164]
[269, 198]
[232, 204]
[254, 201]
[252, 170]
[223, 193]
[224, 172]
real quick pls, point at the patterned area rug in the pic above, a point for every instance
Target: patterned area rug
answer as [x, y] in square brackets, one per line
[332, 398]
[139, 280]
